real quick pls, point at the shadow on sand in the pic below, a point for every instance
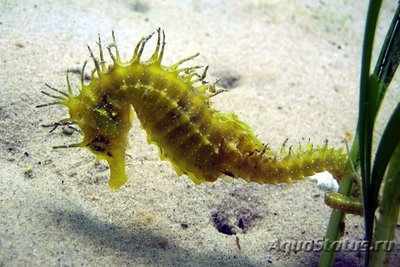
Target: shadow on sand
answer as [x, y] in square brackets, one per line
[153, 247]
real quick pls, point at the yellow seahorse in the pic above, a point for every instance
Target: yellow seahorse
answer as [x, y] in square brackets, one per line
[174, 107]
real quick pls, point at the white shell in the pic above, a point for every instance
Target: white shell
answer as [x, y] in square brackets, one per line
[325, 181]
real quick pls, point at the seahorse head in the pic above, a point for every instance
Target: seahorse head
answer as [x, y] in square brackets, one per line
[104, 119]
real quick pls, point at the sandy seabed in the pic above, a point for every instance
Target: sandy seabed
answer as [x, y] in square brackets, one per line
[292, 71]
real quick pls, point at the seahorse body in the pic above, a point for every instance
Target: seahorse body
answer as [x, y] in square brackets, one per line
[173, 106]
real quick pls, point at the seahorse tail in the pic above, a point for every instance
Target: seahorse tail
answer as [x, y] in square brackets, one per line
[261, 168]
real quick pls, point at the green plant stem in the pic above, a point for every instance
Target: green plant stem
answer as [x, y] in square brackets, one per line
[368, 109]
[372, 91]
[389, 56]
[388, 213]
[335, 226]
[387, 67]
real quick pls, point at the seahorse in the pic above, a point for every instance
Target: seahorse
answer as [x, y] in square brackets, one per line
[173, 104]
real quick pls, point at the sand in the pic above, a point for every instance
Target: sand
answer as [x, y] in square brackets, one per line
[292, 70]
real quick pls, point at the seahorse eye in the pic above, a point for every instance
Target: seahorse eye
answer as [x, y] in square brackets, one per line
[99, 144]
